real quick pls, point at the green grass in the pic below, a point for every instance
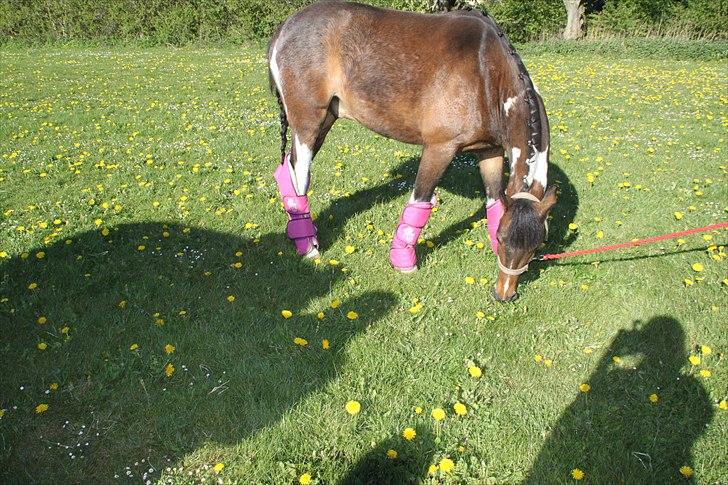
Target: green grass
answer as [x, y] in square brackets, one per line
[173, 150]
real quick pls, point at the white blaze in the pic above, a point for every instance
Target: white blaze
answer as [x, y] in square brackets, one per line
[516, 152]
[277, 73]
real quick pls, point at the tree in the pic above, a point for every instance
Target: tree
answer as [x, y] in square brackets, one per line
[575, 10]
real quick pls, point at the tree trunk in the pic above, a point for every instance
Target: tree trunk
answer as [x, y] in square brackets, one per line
[575, 10]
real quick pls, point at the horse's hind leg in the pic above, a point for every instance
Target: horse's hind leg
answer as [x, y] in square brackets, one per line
[308, 130]
[435, 159]
[490, 164]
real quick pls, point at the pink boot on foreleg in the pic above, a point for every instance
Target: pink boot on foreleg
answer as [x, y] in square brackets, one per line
[494, 213]
[300, 229]
[402, 251]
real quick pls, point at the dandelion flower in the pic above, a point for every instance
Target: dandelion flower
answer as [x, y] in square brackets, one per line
[418, 410]
[218, 467]
[53, 386]
[349, 249]
[169, 370]
[304, 479]
[42, 320]
[42, 346]
[686, 471]
[573, 226]
[286, 313]
[705, 373]
[577, 474]
[584, 387]
[678, 215]
[33, 286]
[475, 371]
[460, 409]
[231, 298]
[41, 408]
[320, 315]
[391, 454]
[438, 414]
[353, 407]
[616, 359]
[325, 344]
[705, 350]
[169, 348]
[432, 469]
[352, 315]
[409, 434]
[469, 280]
[133, 347]
[415, 309]
[723, 405]
[538, 358]
[694, 359]
[654, 398]
[446, 465]
[300, 341]
[335, 303]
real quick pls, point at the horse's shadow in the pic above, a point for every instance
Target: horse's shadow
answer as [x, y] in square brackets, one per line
[462, 179]
[110, 306]
[614, 433]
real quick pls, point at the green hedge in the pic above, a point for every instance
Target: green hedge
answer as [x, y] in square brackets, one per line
[179, 22]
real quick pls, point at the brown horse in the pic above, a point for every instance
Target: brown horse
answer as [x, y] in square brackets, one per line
[450, 82]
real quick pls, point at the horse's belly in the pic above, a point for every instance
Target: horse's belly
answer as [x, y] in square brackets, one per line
[383, 120]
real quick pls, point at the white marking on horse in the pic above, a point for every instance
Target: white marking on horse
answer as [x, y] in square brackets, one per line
[514, 157]
[277, 74]
[300, 174]
[506, 286]
[535, 87]
[509, 104]
[538, 169]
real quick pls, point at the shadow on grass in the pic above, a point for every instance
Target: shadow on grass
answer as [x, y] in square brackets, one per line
[614, 433]
[236, 367]
[410, 465]
[463, 179]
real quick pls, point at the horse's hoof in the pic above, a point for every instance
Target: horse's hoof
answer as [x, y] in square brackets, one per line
[312, 254]
[412, 269]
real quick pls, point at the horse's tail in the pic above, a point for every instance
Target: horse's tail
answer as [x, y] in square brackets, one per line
[274, 90]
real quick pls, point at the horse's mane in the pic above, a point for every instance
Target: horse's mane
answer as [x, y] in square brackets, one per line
[535, 126]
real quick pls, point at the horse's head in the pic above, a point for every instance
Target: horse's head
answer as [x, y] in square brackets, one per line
[522, 230]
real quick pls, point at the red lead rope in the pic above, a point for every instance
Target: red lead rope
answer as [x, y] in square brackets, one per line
[638, 242]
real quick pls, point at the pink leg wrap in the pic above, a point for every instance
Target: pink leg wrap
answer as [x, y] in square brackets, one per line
[300, 229]
[402, 252]
[494, 212]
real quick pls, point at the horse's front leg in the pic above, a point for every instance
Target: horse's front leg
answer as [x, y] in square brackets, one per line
[490, 164]
[434, 161]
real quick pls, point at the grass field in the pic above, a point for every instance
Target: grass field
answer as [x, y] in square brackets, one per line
[144, 269]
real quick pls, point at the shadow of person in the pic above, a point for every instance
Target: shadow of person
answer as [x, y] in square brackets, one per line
[409, 465]
[106, 307]
[614, 433]
[462, 179]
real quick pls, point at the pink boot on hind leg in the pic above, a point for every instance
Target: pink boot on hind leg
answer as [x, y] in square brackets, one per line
[402, 252]
[300, 229]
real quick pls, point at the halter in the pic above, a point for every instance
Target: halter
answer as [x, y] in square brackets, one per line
[522, 269]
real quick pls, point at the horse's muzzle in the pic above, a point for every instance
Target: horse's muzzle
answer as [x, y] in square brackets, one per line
[501, 299]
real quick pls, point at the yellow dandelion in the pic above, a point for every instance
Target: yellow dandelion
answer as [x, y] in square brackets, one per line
[349, 249]
[548, 362]
[432, 469]
[169, 348]
[286, 313]
[133, 347]
[616, 359]
[41, 408]
[705, 350]
[169, 370]
[438, 414]
[654, 398]
[335, 303]
[418, 410]
[353, 407]
[415, 308]
[304, 479]
[686, 471]
[231, 298]
[40, 254]
[475, 371]
[573, 226]
[705, 373]
[409, 434]
[469, 280]
[678, 215]
[325, 344]
[584, 387]
[538, 358]
[33, 286]
[42, 320]
[42, 346]
[697, 267]
[577, 474]
[218, 467]
[723, 404]
[694, 359]
[460, 409]
[391, 454]
[300, 341]
[446, 465]
[352, 315]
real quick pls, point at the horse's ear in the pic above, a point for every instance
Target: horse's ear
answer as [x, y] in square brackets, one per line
[548, 201]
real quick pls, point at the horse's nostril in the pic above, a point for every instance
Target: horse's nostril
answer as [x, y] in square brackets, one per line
[497, 297]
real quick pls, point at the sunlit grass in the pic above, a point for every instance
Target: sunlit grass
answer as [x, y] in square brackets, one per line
[145, 285]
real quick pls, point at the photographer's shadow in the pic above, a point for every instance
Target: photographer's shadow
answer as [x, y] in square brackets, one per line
[640, 419]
